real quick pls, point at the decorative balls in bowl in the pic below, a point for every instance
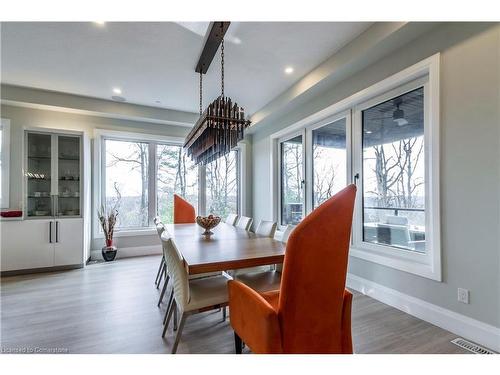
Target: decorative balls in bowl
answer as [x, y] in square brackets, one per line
[207, 223]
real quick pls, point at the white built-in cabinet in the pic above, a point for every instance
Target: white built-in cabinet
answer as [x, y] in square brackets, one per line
[51, 233]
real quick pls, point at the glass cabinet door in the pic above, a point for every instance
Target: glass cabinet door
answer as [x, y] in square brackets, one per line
[38, 174]
[68, 170]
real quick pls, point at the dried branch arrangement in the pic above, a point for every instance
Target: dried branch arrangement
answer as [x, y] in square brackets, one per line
[108, 219]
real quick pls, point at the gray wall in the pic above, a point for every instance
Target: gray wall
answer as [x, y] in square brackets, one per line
[21, 117]
[470, 158]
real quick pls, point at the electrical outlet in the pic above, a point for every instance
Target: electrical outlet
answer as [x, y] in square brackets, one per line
[463, 295]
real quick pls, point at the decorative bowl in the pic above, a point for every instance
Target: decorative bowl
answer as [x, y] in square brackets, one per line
[207, 223]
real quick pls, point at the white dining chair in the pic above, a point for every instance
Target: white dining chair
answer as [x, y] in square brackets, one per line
[283, 236]
[266, 228]
[190, 296]
[263, 278]
[244, 223]
[159, 275]
[162, 232]
[231, 219]
[264, 281]
[163, 273]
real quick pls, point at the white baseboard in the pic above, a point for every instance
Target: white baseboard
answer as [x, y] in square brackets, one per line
[469, 328]
[127, 252]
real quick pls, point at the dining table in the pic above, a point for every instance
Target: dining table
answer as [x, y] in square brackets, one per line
[228, 248]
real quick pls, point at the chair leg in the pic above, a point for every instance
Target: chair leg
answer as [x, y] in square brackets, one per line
[238, 345]
[179, 332]
[224, 314]
[175, 317]
[164, 289]
[170, 301]
[168, 316]
[159, 270]
[162, 273]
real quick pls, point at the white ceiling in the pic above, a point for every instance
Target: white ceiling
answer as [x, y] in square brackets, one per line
[154, 61]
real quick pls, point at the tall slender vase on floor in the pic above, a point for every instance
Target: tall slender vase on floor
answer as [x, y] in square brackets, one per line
[108, 222]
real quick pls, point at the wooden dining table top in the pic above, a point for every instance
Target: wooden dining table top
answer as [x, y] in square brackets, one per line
[227, 248]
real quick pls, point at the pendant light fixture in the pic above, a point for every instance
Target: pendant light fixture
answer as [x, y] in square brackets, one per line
[221, 125]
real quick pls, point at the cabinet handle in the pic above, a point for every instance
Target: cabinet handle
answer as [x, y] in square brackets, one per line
[57, 231]
[50, 231]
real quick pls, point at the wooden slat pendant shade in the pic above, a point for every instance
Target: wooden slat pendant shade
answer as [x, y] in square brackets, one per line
[217, 131]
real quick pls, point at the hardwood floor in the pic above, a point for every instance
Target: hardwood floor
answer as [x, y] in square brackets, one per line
[111, 308]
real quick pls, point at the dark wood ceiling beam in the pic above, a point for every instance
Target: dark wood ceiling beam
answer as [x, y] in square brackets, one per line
[211, 44]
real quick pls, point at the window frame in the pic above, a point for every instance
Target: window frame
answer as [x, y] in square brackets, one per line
[99, 177]
[281, 140]
[5, 189]
[310, 160]
[406, 260]
[424, 73]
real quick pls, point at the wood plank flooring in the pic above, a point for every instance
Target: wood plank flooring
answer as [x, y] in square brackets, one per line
[111, 308]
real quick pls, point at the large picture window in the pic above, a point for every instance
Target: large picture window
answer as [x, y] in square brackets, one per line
[329, 153]
[144, 174]
[292, 180]
[394, 172]
[175, 174]
[385, 139]
[127, 181]
[222, 187]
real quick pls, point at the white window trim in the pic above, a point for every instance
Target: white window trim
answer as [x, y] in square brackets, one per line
[309, 148]
[98, 188]
[428, 266]
[242, 178]
[5, 197]
[279, 141]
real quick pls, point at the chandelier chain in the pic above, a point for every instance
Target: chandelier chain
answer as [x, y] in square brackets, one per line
[222, 61]
[201, 92]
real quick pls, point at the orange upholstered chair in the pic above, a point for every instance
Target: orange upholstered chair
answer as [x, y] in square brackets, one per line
[311, 313]
[183, 211]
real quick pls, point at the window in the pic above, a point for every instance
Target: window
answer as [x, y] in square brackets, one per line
[329, 150]
[222, 185]
[292, 180]
[394, 172]
[127, 181]
[4, 162]
[143, 173]
[175, 174]
[386, 139]
[319, 154]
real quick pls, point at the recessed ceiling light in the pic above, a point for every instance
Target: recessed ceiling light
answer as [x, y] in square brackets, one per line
[100, 23]
[288, 70]
[117, 90]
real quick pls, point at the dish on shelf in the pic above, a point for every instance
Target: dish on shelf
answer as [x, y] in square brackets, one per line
[41, 213]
